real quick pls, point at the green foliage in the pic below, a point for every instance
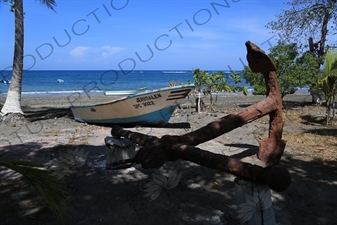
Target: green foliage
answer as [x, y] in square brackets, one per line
[213, 82]
[307, 18]
[328, 80]
[292, 70]
[49, 187]
[11, 2]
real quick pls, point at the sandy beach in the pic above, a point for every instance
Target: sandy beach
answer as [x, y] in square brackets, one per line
[203, 196]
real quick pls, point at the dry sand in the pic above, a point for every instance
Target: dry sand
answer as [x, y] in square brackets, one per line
[203, 196]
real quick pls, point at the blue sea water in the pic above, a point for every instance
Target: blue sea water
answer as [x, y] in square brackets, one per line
[96, 81]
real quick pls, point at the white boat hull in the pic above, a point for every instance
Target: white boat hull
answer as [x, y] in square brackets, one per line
[154, 108]
[124, 92]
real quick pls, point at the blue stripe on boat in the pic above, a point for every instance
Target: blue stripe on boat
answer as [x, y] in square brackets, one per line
[159, 117]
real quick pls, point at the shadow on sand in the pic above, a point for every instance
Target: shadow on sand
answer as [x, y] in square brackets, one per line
[203, 196]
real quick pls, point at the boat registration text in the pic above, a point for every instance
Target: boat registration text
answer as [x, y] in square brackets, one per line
[146, 100]
[148, 97]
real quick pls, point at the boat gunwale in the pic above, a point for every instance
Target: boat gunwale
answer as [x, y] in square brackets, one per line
[190, 86]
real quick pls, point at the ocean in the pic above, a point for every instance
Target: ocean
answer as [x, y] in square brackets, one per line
[64, 82]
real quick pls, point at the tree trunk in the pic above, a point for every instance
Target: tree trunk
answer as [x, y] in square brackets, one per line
[198, 103]
[328, 112]
[13, 101]
[324, 30]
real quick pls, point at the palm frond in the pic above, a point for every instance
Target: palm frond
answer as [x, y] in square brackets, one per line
[51, 4]
[52, 189]
[328, 80]
[333, 70]
[330, 63]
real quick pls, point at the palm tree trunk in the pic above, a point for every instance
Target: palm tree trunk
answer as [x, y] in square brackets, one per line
[13, 101]
[328, 115]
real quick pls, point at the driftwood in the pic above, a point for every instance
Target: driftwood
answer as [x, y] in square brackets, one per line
[168, 148]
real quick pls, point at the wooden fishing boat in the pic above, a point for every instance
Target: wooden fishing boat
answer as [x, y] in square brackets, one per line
[146, 108]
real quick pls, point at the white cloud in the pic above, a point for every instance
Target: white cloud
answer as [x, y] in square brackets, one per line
[108, 50]
[78, 51]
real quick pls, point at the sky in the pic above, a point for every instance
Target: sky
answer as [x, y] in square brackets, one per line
[139, 34]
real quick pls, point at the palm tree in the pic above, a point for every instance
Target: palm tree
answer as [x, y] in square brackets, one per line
[52, 189]
[328, 81]
[12, 106]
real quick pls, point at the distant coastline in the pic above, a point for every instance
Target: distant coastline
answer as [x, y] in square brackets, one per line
[47, 82]
[95, 82]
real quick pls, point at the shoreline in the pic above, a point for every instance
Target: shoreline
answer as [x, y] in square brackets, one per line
[101, 92]
[75, 99]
